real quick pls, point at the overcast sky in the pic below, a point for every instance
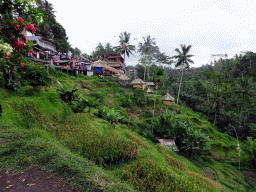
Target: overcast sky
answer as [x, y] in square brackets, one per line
[211, 27]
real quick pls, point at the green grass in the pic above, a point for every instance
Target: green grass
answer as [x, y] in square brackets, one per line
[39, 130]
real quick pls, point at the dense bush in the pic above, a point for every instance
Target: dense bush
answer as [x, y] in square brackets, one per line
[34, 75]
[139, 96]
[124, 100]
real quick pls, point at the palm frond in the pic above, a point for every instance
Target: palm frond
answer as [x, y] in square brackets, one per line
[178, 51]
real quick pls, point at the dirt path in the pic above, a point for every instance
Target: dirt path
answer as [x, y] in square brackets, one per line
[32, 181]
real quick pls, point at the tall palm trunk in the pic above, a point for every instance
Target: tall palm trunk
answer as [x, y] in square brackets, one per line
[145, 71]
[179, 86]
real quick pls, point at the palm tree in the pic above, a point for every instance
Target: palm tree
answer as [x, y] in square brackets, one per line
[108, 47]
[148, 50]
[124, 48]
[183, 61]
[48, 7]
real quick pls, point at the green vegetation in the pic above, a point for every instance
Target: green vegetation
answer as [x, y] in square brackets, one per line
[41, 129]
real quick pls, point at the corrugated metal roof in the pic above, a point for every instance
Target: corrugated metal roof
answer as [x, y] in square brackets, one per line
[169, 143]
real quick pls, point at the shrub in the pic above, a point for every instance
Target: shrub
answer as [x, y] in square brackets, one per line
[34, 75]
[139, 97]
[124, 100]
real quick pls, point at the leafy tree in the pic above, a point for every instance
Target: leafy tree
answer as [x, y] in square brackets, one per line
[183, 61]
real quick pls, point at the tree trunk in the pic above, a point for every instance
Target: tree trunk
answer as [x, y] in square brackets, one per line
[154, 111]
[215, 118]
[179, 87]
[145, 72]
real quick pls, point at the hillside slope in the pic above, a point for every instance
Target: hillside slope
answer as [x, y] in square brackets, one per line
[38, 130]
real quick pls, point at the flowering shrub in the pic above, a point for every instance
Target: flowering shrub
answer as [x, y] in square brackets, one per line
[13, 44]
[34, 75]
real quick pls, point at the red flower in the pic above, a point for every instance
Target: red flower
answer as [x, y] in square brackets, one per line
[30, 27]
[30, 52]
[20, 20]
[17, 44]
[6, 57]
[17, 27]
[22, 64]
[23, 38]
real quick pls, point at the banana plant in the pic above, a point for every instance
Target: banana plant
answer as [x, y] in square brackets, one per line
[67, 94]
[81, 104]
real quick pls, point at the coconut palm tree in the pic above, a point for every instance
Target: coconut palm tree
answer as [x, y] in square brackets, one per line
[148, 50]
[183, 61]
[124, 47]
[108, 47]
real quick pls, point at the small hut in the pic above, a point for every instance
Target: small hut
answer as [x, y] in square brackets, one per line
[98, 65]
[138, 83]
[149, 91]
[150, 84]
[124, 79]
[101, 66]
[167, 100]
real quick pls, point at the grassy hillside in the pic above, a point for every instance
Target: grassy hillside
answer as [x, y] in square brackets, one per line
[91, 154]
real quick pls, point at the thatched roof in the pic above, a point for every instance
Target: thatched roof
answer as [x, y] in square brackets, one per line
[138, 81]
[104, 65]
[124, 77]
[110, 69]
[167, 97]
[150, 91]
[150, 83]
[98, 63]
